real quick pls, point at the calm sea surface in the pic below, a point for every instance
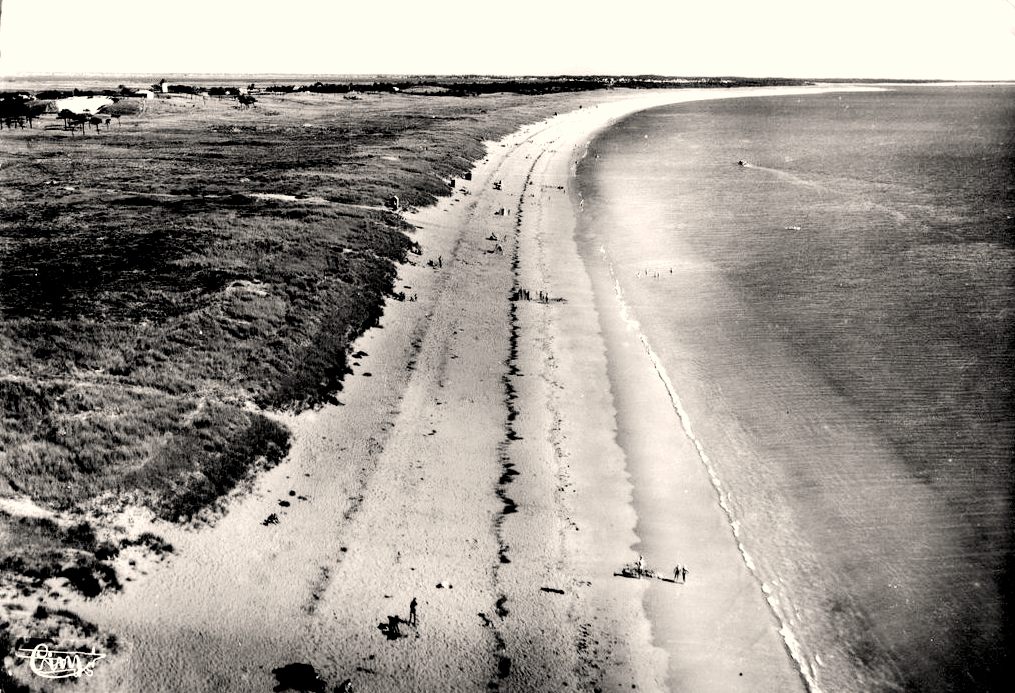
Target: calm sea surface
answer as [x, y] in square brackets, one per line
[837, 319]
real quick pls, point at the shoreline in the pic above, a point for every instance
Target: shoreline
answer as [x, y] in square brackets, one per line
[830, 477]
[482, 462]
[677, 493]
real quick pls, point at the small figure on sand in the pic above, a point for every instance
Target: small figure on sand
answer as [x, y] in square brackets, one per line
[440, 261]
[676, 573]
[412, 612]
[683, 574]
[641, 563]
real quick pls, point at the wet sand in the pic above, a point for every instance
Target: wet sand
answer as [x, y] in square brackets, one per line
[499, 461]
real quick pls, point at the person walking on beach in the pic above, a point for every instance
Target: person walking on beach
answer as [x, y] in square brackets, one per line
[676, 573]
[683, 574]
[641, 563]
[412, 612]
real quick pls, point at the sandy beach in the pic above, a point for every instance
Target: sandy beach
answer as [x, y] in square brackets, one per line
[497, 460]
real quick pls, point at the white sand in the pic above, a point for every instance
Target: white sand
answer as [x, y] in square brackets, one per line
[405, 491]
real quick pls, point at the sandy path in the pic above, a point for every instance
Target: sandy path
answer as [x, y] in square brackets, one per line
[481, 467]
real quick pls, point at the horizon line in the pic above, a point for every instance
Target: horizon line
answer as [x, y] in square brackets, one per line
[493, 76]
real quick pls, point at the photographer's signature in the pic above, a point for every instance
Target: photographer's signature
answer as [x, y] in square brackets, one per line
[58, 664]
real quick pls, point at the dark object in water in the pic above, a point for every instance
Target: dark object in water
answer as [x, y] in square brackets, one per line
[555, 590]
[741, 163]
[298, 677]
[270, 520]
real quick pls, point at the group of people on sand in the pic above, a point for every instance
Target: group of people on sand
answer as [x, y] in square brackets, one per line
[497, 248]
[526, 295]
[679, 572]
[393, 621]
[654, 275]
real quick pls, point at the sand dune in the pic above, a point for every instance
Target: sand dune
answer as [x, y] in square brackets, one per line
[484, 462]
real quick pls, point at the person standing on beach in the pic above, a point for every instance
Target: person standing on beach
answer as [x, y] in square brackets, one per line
[412, 612]
[683, 574]
[676, 573]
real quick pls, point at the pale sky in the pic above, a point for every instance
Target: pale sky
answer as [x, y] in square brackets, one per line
[944, 39]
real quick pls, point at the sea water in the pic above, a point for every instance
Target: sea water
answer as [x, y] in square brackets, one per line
[827, 281]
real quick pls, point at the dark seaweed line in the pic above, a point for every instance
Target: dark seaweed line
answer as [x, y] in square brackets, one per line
[508, 470]
[503, 661]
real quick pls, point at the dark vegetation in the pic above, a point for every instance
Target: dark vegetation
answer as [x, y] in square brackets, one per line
[17, 111]
[36, 549]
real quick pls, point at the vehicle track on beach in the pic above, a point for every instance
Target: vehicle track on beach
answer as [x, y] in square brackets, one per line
[440, 344]
[423, 332]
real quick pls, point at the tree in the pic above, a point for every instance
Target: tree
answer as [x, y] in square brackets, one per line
[35, 109]
[66, 115]
[13, 111]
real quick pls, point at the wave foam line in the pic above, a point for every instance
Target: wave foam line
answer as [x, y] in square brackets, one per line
[793, 646]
